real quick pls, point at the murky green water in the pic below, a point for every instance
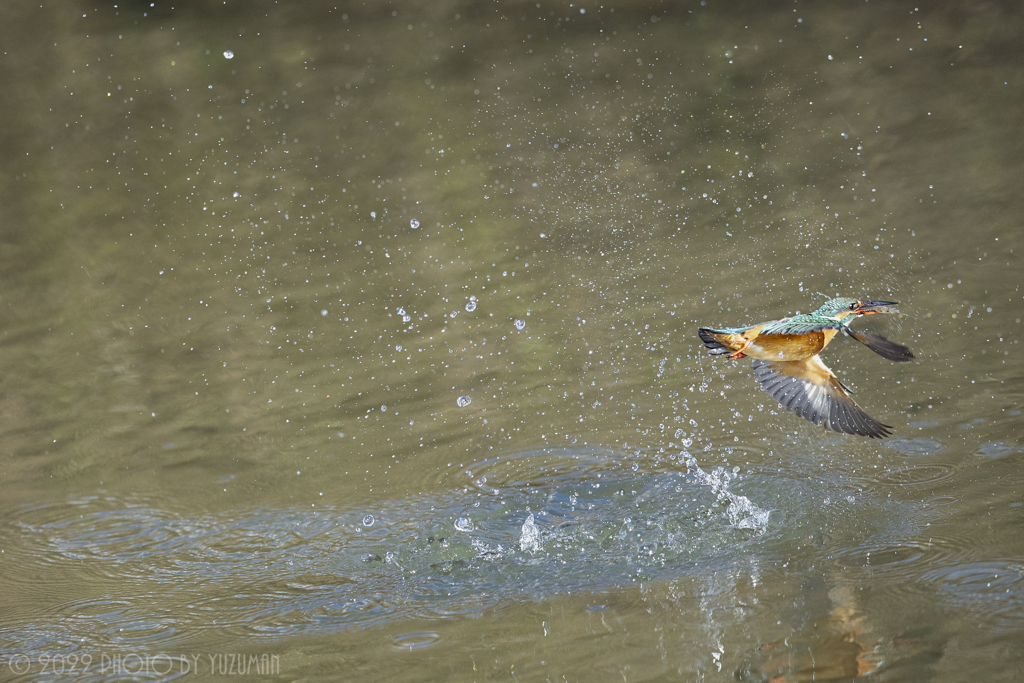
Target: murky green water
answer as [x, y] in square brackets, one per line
[346, 341]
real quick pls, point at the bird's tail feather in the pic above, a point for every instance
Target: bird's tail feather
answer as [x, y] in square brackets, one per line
[719, 342]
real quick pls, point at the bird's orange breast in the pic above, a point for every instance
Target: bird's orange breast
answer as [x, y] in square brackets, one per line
[789, 346]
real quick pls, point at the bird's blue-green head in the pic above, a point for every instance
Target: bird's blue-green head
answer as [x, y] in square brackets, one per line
[842, 307]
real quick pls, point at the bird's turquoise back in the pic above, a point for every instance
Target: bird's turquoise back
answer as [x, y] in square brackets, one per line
[801, 324]
[731, 330]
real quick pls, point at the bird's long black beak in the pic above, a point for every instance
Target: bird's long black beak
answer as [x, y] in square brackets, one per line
[873, 307]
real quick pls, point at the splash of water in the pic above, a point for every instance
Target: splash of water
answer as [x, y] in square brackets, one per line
[530, 540]
[741, 512]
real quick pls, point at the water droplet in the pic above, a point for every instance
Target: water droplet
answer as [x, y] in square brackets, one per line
[373, 214]
[520, 324]
[228, 54]
[470, 306]
[400, 311]
[368, 520]
[341, 435]
[679, 433]
[323, 312]
[406, 318]
[414, 224]
[237, 194]
[463, 401]
[384, 409]
[398, 347]
[464, 524]
[454, 313]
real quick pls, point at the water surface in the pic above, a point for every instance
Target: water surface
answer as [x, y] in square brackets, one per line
[359, 340]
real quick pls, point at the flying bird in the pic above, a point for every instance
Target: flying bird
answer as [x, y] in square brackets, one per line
[787, 365]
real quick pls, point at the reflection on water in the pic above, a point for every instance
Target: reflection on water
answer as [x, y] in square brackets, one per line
[365, 335]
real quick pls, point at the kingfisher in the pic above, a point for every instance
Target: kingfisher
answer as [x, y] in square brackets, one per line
[786, 361]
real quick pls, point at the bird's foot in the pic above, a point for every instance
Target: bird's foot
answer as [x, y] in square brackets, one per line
[739, 352]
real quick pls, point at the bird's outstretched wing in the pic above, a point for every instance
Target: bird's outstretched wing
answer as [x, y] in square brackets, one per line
[883, 347]
[809, 389]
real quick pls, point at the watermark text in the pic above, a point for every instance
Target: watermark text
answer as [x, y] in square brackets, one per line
[143, 664]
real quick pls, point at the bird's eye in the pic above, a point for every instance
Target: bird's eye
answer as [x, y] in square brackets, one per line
[853, 306]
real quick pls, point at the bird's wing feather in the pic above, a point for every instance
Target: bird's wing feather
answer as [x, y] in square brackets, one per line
[809, 389]
[883, 347]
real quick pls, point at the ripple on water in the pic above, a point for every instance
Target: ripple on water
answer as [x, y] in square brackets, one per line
[896, 557]
[554, 468]
[996, 449]
[915, 447]
[96, 609]
[98, 536]
[880, 557]
[917, 475]
[905, 558]
[416, 640]
[120, 621]
[910, 538]
[521, 527]
[991, 592]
